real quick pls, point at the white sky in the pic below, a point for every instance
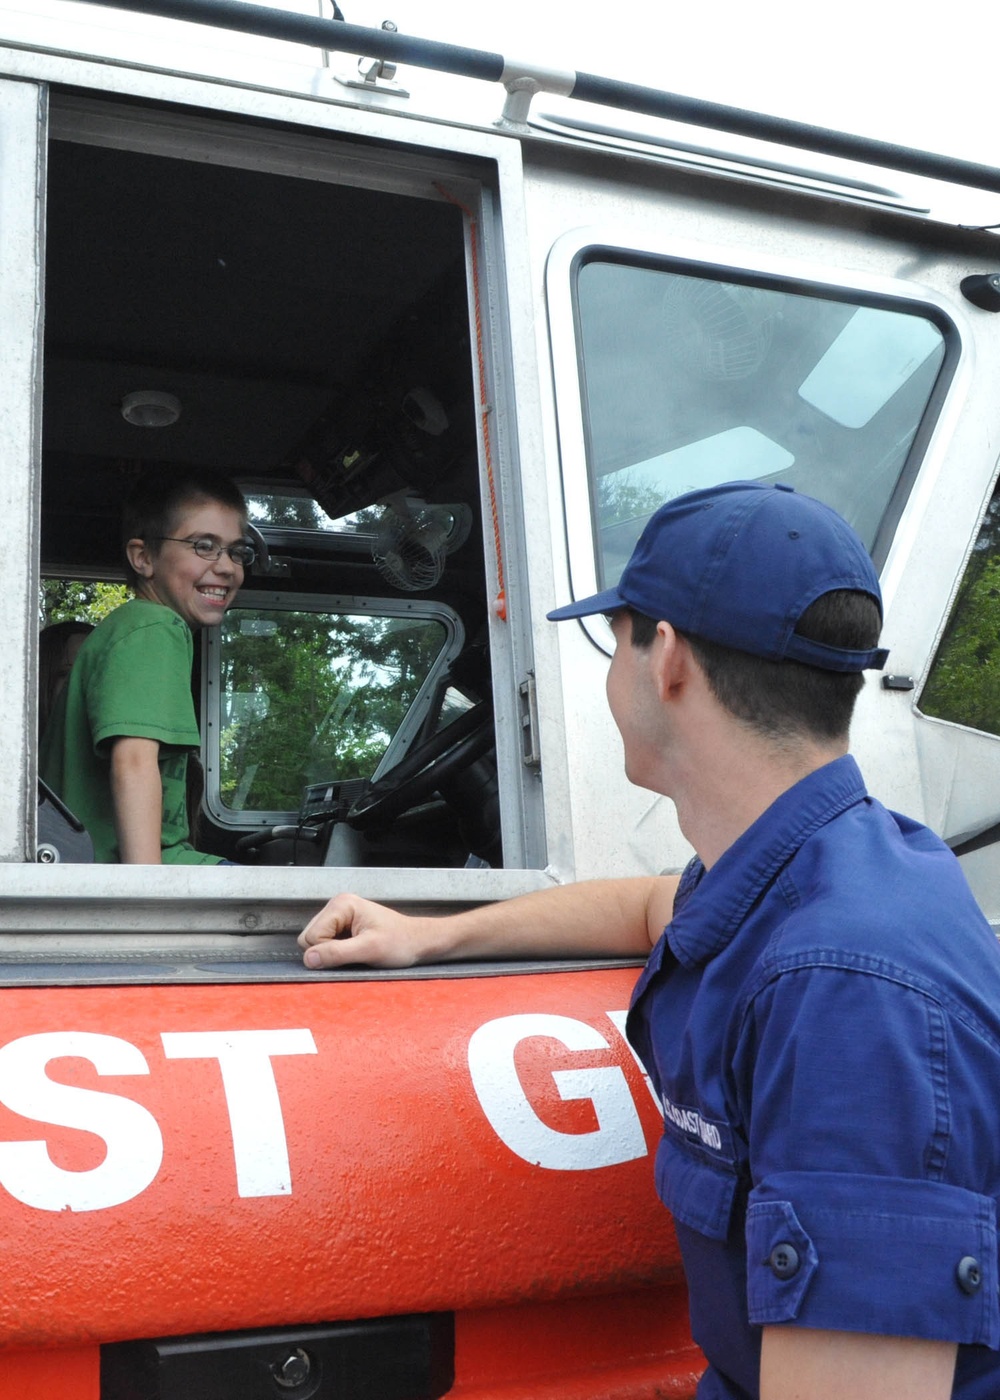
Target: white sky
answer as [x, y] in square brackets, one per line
[876, 67]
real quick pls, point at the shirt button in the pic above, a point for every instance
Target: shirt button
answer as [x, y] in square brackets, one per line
[969, 1275]
[784, 1261]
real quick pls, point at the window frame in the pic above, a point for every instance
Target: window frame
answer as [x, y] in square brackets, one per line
[581, 246]
[422, 609]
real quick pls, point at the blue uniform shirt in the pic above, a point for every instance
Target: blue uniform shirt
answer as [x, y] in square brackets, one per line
[821, 1020]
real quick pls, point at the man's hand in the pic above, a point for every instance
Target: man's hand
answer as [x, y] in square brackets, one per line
[354, 930]
[597, 918]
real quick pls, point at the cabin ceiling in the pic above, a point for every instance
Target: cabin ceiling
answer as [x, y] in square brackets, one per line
[267, 304]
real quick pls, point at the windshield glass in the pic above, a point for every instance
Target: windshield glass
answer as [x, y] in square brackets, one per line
[313, 697]
[690, 381]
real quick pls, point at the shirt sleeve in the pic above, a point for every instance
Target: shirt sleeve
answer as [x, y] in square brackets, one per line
[143, 688]
[873, 1157]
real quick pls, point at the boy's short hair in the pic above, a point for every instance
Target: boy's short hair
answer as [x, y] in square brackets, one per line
[158, 499]
[785, 699]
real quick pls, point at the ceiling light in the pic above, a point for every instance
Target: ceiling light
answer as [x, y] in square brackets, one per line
[150, 408]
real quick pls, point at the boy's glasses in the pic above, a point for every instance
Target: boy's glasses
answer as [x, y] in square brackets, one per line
[207, 547]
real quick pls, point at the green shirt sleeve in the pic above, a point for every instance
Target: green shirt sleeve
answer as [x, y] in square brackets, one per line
[142, 689]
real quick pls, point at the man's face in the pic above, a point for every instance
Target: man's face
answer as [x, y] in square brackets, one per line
[634, 703]
[198, 590]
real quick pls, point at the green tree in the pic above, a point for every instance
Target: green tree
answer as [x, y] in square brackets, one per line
[620, 498]
[964, 684]
[313, 698]
[294, 512]
[76, 600]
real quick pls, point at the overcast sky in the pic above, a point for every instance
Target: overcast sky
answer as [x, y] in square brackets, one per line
[880, 67]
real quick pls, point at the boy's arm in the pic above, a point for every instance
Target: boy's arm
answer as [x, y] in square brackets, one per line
[597, 918]
[802, 1363]
[137, 795]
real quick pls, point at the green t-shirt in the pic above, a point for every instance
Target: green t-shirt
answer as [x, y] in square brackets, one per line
[132, 677]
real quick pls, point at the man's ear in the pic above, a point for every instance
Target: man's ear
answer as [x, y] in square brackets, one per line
[140, 556]
[671, 660]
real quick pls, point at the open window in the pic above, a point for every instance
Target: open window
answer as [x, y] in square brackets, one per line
[306, 312]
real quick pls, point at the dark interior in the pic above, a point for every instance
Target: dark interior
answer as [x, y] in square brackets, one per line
[304, 327]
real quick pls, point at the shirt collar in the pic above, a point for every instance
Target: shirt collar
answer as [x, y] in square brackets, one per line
[711, 905]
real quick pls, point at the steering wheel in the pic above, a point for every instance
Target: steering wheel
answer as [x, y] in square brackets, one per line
[428, 766]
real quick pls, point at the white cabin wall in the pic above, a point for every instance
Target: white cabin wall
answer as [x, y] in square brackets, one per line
[618, 829]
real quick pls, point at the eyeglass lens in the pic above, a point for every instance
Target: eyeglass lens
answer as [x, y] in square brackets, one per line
[206, 548]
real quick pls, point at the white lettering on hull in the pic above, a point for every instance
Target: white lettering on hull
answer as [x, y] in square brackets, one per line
[134, 1143]
[618, 1136]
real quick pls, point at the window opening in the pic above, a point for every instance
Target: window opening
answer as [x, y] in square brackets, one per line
[316, 336]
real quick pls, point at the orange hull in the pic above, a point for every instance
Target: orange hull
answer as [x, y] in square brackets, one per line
[204, 1159]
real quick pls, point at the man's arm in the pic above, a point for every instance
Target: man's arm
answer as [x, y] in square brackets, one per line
[803, 1363]
[597, 918]
[137, 795]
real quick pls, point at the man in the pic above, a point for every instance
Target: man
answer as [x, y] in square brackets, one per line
[820, 1011]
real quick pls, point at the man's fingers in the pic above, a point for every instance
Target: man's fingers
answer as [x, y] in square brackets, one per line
[333, 919]
[333, 952]
[354, 930]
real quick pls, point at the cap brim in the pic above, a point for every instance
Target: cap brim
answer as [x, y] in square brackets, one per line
[608, 601]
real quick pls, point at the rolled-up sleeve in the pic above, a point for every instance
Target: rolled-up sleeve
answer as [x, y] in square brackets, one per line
[860, 1254]
[873, 1148]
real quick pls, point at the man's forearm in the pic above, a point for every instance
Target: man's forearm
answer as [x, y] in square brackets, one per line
[597, 918]
[800, 1363]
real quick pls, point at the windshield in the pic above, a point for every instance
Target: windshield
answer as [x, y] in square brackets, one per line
[313, 697]
[689, 381]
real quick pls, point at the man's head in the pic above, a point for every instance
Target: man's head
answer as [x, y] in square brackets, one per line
[775, 594]
[184, 542]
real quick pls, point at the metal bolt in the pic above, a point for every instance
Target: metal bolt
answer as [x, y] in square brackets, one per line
[47, 855]
[389, 25]
[294, 1371]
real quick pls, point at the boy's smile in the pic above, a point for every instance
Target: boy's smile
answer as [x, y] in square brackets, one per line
[198, 590]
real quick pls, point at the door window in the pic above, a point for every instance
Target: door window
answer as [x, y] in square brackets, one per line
[309, 697]
[692, 380]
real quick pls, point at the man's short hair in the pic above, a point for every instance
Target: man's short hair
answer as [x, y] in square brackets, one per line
[159, 498]
[780, 699]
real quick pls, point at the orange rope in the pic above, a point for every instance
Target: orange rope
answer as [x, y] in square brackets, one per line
[500, 605]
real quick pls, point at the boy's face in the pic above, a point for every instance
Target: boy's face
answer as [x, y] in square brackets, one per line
[170, 572]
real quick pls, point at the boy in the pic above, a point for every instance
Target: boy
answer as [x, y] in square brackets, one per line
[116, 750]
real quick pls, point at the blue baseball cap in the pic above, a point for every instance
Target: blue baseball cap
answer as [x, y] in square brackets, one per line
[739, 564]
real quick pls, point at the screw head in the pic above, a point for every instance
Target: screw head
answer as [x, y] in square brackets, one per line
[293, 1371]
